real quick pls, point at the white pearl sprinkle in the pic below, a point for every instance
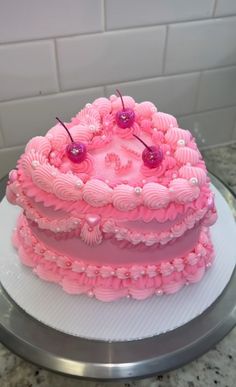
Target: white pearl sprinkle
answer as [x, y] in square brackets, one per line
[54, 174]
[159, 292]
[103, 137]
[35, 164]
[78, 184]
[112, 273]
[193, 181]
[92, 128]
[174, 175]
[189, 164]
[88, 105]
[53, 154]
[208, 264]
[128, 296]
[90, 293]
[187, 283]
[168, 153]
[143, 272]
[181, 142]
[58, 229]
[138, 190]
[154, 129]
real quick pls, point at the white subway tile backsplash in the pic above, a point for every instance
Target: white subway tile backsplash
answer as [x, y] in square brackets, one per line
[214, 127]
[217, 89]
[31, 19]
[173, 94]
[131, 13]
[201, 45]
[27, 69]
[24, 119]
[8, 159]
[110, 57]
[225, 7]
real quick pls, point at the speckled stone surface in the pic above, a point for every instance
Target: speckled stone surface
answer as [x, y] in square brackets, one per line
[216, 368]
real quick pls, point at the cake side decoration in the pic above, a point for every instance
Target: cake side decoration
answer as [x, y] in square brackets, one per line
[116, 203]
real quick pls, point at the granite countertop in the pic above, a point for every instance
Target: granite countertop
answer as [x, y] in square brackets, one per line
[215, 368]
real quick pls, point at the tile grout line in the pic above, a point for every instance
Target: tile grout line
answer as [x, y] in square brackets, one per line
[57, 65]
[104, 21]
[214, 9]
[125, 29]
[165, 50]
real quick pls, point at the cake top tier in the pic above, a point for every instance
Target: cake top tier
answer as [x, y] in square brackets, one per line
[116, 168]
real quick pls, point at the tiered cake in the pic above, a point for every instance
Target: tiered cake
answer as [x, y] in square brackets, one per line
[116, 203]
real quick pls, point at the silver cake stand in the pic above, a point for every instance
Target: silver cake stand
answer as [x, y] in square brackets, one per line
[79, 357]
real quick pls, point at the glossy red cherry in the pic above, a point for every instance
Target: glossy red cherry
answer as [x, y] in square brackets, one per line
[152, 155]
[76, 151]
[125, 117]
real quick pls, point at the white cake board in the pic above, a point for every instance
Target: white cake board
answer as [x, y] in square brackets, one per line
[122, 320]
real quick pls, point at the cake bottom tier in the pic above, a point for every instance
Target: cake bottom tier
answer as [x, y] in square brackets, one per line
[111, 282]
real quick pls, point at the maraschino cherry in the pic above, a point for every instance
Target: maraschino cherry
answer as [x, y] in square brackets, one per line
[125, 117]
[152, 155]
[76, 151]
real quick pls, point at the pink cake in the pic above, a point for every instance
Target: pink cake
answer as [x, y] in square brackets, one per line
[118, 205]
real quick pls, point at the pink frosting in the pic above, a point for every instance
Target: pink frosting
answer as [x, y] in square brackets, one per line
[164, 121]
[100, 202]
[109, 282]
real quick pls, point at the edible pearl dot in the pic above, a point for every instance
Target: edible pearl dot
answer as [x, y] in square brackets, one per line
[138, 190]
[90, 229]
[171, 235]
[174, 175]
[103, 137]
[96, 272]
[88, 105]
[208, 264]
[53, 154]
[128, 296]
[142, 272]
[90, 293]
[116, 230]
[127, 274]
[112, 273]
[168, 153]
[58, 229]
[78, 184]
[68, 264]
[54, 174]
[187, 283]
[181, 142]
[154, 129]
[159, 292]
[92, 128]
[188, 164]
[35, 164]
[194, 181]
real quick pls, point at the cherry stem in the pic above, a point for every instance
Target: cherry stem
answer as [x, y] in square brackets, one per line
[142, 142]
[119, 93]
[64, 126]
